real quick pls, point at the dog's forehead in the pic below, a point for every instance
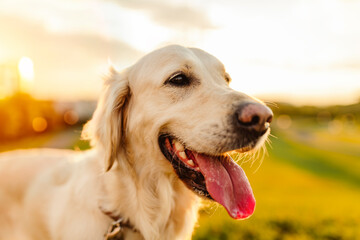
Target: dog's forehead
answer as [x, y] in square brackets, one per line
[208, 60]
[165, 61]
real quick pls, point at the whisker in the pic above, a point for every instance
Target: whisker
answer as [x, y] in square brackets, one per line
[247, 157]
[269, 142]
[264, 153]
[271, 135]
[215, 208]
[255, 156]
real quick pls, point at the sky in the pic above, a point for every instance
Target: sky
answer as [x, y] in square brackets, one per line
[301, 52]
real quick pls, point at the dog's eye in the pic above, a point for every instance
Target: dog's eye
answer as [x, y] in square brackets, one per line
[178, 80]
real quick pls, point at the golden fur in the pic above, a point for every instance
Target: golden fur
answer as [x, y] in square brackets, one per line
[61, 194]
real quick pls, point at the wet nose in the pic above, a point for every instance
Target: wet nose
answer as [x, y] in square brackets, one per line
[254, 116]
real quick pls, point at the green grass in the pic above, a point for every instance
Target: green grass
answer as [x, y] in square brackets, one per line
[81, 145]
[329, 164]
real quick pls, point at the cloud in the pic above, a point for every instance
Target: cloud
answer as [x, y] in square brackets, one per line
[128, 21]
[169, 14]
[66, 65]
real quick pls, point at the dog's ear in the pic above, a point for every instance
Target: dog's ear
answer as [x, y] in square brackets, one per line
[107, 126]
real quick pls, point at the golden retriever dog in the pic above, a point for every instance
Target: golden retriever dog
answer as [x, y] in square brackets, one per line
[161, 137]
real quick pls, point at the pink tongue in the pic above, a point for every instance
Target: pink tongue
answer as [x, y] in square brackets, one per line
[228, 185]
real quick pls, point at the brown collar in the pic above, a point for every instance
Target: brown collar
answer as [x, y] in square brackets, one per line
[116, 229]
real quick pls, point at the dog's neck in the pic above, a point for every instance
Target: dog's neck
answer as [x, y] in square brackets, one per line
[151, 197]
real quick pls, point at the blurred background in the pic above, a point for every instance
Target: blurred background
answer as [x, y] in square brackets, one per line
[301, 57]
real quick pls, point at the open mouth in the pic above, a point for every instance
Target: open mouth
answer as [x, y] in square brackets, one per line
[217, 178]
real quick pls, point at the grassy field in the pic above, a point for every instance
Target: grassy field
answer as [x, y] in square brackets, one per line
[307, 187]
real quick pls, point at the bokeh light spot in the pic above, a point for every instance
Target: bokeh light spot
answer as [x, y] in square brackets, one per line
[283, 121]
[71, 117]
[39, 124]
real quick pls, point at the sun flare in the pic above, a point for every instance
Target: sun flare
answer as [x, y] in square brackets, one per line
[26, 69]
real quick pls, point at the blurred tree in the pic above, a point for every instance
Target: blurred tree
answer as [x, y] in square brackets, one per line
[18, 112]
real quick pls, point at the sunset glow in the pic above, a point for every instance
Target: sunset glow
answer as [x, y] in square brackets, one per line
[26, 69]
[299, 52]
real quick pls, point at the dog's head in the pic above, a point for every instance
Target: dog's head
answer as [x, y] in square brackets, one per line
[174, 109]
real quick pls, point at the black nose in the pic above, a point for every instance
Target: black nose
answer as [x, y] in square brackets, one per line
[254, 116]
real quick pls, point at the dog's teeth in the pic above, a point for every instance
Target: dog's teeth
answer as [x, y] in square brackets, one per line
[191, 163]
[182, 155]
[179, 147]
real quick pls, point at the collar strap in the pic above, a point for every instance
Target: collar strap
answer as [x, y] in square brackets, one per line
[116, 229]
